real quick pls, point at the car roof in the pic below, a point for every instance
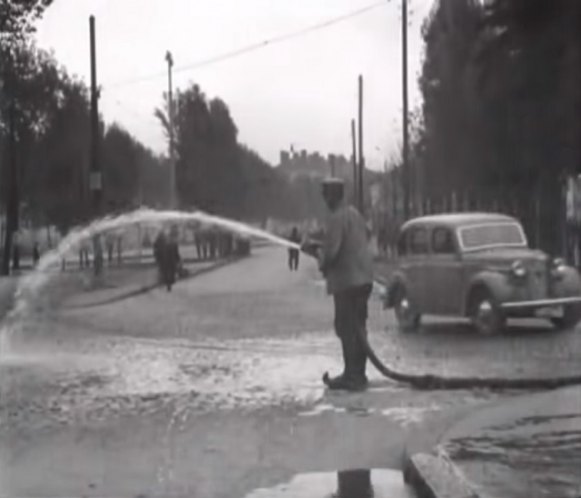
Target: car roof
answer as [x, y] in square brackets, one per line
[455, 220]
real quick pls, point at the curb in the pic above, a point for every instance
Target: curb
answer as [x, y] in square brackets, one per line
[148, 287]
[429, 470]
[436, 477]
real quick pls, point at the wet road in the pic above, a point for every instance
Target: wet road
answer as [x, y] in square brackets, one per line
[530, 447]
[212, 390]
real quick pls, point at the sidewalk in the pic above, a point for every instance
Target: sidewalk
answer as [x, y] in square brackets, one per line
[127, 281]
[529, 447]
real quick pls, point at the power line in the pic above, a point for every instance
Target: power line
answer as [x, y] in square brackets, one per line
[255, 46]
[136, 113]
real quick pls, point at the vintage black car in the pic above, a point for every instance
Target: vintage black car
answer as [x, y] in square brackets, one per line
[479, 265]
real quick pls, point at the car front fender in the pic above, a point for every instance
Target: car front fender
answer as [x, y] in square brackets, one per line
[569, 284]
[493, 282]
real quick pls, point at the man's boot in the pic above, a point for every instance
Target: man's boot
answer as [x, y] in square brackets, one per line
[350, 380]
[335, 382]
[355, 380]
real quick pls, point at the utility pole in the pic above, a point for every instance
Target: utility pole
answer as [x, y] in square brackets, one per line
[172, 167]
[96, 175]
[385, 194]
[354, 161]
[12, 200]
[361, 161]
[407, 211]
[395, 192]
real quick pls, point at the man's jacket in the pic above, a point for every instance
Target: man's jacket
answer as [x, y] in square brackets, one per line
[344, 258]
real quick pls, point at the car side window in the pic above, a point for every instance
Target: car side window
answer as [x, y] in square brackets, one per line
[418, 241]
[442, 241]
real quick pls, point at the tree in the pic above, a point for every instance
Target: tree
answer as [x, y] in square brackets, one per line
[501, 85]
[121, 168]
[48, 123]
[16, 24]
[58, 173]
[207, 167]
[29, 80]
[17, 20]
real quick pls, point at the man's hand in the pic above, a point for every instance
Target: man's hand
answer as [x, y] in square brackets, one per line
[311, 247]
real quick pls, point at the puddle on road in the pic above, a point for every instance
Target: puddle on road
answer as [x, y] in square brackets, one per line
[84, 375]
[531, 457]
[91, 377]
[358, 483]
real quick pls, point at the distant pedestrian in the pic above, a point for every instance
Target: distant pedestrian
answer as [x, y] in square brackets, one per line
[35, 254]
[158, 252]
[97, 254]
[119, 244]
[205, 242]
[220, 243]
[293, 253]
[170, 261]
[109, 242]
[84, 255]
[213, 242]
[198, 243]
[16, 254]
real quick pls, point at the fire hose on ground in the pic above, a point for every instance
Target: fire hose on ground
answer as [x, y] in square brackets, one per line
[433, 381]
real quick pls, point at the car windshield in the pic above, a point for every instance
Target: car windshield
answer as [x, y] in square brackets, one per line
[489, 235]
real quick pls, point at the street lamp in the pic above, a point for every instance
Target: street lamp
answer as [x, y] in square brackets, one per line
[405, 150]
[172, 174]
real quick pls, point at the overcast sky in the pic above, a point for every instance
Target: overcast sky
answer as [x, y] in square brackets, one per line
[302, 91]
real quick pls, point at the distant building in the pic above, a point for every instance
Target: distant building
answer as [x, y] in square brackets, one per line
[315, 165]
[284, 158]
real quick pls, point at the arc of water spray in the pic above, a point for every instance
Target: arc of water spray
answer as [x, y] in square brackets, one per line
[30, 285]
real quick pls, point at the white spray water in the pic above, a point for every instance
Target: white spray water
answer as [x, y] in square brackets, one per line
[30, 285]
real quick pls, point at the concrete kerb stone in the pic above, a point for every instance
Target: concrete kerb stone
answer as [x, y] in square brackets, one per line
[148, 287]
[429, 470]
[436, 476]
[431, 473]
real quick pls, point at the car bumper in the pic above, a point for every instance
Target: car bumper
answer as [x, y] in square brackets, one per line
[541, 303]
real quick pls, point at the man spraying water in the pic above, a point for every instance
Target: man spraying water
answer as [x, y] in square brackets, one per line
[346, 263]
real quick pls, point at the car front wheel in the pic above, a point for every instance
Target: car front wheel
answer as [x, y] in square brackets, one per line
[486, 315]
[571, 317]
[408, 318]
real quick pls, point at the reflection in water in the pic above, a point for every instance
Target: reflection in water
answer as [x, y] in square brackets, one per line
[354, 484]
[357, 483]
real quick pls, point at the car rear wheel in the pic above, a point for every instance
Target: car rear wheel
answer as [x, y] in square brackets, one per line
[571, 317]
[408, 318]
[486, 315]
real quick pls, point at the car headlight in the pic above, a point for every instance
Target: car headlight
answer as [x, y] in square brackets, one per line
[518, 269]
[558, 267]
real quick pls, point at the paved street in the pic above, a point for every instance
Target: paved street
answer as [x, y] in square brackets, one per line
[214, 389]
